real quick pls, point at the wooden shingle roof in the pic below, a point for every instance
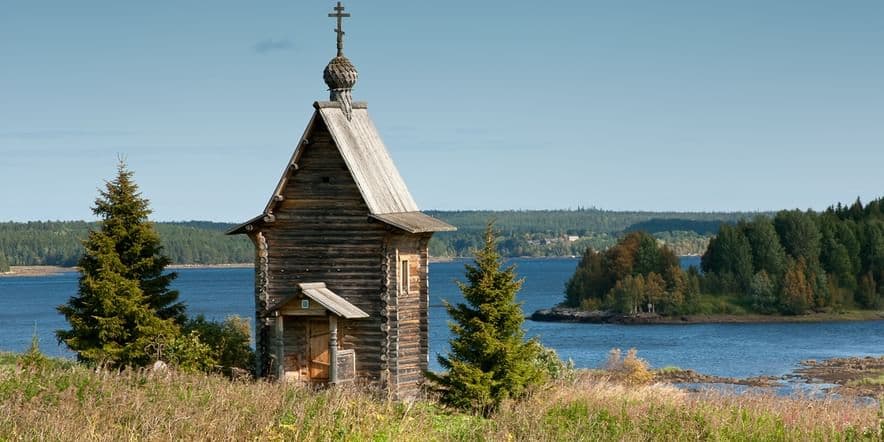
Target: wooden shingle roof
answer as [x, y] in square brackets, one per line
[382, 188]
[414, 222]
[332, 302]
[379, 182]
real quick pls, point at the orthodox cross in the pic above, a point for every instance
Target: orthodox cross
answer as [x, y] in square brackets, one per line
[340, 15]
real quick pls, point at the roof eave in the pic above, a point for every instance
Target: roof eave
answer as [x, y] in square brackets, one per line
[243, 228]
[293, 162]
[442, 227]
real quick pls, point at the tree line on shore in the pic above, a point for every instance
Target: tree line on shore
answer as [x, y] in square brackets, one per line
[791, 263]
[60, 243]
[800, 261]
[522, 233]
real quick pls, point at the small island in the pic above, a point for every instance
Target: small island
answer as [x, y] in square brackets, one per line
[795, 267]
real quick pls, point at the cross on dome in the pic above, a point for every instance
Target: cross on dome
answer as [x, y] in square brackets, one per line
[340, 75]
[340, 15]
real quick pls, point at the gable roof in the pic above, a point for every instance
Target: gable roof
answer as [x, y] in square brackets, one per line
[318, 292]
[379, 182]
[382, 188]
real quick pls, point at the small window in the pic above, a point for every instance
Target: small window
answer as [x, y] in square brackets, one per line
[326, 179]
[405, 279]
[305, 303]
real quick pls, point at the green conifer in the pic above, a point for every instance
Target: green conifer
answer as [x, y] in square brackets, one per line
[490, 360]
[124, 312]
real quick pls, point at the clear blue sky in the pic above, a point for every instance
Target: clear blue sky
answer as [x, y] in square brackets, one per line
[655, 105]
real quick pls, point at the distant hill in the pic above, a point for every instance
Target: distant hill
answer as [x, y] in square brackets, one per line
[570, 232]
[523, 233]
[59, 242]
[658, 225]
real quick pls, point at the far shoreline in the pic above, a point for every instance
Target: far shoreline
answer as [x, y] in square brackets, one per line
[569, 315]
[46, 270]
[35, 271]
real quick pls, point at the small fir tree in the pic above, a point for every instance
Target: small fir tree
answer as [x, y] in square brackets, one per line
[124, 312]
[490, 360]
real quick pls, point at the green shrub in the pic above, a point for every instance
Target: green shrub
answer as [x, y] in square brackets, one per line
[188, 353]
[33, 359]
[630, 369]
[229, 341]
[549, 362]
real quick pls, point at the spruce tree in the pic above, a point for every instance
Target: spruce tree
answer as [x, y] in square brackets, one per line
[124, 312]
[490, 360]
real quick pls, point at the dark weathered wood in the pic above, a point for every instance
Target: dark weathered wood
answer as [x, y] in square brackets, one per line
[341, 216]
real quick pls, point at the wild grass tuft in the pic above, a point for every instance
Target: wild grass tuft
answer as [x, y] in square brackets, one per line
[67, 401]
[872, 380]
[669, 369]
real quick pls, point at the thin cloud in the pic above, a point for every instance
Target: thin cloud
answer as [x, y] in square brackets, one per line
[61, 133]
[271, 45]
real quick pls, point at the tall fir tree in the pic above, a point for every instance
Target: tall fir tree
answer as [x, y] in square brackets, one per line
[124, 311]
[490, 360]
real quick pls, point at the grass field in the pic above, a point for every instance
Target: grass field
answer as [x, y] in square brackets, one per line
[58, 400]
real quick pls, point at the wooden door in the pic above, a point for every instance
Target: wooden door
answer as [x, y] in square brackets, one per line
[318, 349]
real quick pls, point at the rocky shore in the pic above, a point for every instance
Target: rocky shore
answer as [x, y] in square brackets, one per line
[857, 376]
[851, 377]
[680, 376]
[16, 271]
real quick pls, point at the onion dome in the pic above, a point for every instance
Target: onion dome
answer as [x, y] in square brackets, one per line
[340, 75]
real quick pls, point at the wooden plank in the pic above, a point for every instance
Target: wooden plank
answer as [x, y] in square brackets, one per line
[318, 350]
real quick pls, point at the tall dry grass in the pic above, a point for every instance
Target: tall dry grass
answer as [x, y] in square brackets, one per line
[65, 401]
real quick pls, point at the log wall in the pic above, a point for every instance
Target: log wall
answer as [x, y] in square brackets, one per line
[407, 313]
[321, 233]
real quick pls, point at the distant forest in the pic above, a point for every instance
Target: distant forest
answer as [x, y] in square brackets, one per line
[570, 232]
[59, 243]
[789, 263]
[523, 233]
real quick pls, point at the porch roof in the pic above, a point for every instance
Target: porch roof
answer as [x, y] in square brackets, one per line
[317, 291]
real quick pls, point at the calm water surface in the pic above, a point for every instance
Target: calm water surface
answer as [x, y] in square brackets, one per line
[720, 349]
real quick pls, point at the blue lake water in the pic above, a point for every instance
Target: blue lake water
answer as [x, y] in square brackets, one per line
[720, 349]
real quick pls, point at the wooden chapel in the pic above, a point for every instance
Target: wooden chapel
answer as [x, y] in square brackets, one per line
[341, 261]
